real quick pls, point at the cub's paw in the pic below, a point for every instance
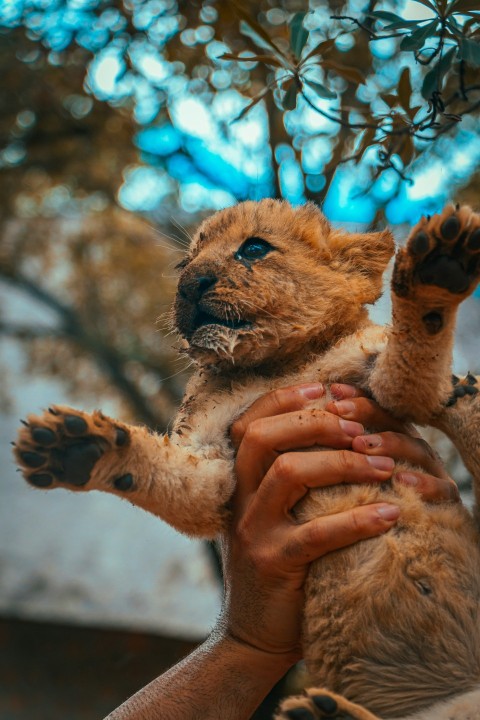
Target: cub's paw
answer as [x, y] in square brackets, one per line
[63, 446]
[465, 387]
[317, 704]
[442, 254]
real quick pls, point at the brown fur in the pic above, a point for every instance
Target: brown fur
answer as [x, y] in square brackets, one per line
[393, 622]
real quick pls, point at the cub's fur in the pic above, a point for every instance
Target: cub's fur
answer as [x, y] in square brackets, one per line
[270, 296]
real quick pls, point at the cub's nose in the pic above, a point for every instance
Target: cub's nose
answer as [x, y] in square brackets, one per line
[192, 288]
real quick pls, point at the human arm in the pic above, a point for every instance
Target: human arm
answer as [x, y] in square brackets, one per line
[266, 555]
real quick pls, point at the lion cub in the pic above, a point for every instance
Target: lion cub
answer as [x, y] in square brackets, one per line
[271, 296]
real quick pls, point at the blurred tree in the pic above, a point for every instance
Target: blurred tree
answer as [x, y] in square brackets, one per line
[168, 106]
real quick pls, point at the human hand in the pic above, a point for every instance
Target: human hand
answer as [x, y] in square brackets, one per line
[397, 440]
[266, 553]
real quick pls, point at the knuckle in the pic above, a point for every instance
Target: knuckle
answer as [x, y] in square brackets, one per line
[345, 463]
[283, 467]
[279, 397]
[255, 433]
[293, 548]
[237, 431]
[356, 521]
[243, 534]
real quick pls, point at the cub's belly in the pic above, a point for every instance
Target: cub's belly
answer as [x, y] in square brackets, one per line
[393, 622]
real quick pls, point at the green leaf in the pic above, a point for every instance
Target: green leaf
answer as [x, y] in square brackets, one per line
[257, 28]
[405, 25]
[405, 89]
[321, 90]
[367, 139]
[266, 59]
[433, 80]
[387, 16]
[470, 52]
[298, 34]
[428, 4]
[254, 101]
[349, 73]
[289, 101]
[320, 49]
[416, 40]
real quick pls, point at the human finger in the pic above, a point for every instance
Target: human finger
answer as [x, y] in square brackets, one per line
[317, 537]
[430, 487]
[276, 402]
[414, 450]
[342, 391]
[368, 412]
[294, 473]
[266, 438]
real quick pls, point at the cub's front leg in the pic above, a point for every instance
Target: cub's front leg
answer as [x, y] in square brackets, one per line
[185, 487]
[438, 268]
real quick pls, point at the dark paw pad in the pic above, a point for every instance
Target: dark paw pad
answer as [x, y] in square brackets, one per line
[450, 228]
[32, 459]
[444, 272]
[121, 437]
[299, 714]
[75, 425]
[433, 322]
[325, 703]
[41, 480]
[79, 461]
[124, 483]
[473, 243]
[420, 243]
[44, 436]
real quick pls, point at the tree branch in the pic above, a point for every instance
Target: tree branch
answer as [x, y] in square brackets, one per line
[110, 360]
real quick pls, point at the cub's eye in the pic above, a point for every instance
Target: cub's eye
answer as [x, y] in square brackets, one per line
[253, 248]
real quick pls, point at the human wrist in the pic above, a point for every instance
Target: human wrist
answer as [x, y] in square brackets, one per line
[268, 663]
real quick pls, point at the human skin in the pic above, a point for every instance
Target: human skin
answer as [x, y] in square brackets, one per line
[266, 554]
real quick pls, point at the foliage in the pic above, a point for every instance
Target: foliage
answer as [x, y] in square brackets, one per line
[92, 92]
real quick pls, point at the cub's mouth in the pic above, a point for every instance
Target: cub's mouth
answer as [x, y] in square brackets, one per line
[203, 319]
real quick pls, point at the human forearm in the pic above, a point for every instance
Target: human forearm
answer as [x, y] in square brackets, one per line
[223, 678]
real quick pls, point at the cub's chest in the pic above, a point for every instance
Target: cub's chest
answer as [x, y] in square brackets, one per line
[213, 402]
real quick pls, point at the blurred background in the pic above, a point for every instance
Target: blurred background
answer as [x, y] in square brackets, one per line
[123, 124]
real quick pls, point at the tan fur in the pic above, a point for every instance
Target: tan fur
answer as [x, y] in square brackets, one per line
[393, 622]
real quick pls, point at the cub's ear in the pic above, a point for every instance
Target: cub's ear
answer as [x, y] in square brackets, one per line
[365, 256]
[314, 228]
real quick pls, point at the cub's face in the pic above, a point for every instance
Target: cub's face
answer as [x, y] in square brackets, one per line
[264, 280]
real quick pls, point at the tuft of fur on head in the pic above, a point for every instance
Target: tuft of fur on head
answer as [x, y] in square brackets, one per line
[309, 290]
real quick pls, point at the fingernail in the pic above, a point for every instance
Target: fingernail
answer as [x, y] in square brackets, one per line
[407, 479]
[388, 512]
[372, 441]
[338, 391]
[351, 428]
[345, 407]
[381, 463]
[315, 390]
